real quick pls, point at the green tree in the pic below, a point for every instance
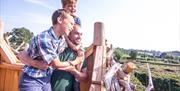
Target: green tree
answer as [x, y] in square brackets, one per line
[133, 54]
[20, 36]
[117, 54]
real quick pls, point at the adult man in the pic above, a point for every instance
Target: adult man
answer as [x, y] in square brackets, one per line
[44, 49]
[64, 80]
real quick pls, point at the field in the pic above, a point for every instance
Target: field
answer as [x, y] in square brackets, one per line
[165, 77]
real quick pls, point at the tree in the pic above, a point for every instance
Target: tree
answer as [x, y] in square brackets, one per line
[117, 54]
[133, 54]
[20, 36]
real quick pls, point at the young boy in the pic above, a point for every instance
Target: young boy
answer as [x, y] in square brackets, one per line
[44, 48]
[70, 6]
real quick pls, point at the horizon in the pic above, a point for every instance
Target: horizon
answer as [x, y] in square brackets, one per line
[129, 24]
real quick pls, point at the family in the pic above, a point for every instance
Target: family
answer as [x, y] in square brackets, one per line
[54, 60]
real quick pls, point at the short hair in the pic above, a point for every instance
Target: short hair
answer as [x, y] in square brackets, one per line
[65, 2]
[59, 13]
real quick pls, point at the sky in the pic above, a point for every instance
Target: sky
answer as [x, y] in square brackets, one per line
[129, 24]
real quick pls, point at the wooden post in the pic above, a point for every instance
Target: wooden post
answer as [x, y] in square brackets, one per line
[99, 34]
[99, 57]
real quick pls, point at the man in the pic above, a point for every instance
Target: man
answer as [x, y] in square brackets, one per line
[44, 49]
[64, 80]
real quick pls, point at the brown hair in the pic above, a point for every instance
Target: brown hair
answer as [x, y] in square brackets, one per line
[58, 13]
[65, 2]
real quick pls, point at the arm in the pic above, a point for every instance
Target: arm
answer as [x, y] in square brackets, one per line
[80, 75]
[72, 45]
[58, 64]
[24, 58]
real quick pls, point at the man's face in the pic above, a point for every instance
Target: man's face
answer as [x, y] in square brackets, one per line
[71, 8]
[67, 24]
[76, 35]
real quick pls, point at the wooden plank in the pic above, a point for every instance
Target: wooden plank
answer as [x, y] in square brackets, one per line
[6, 53]
[84, 86]
[2, 78]
[8, 79]
[17, 66]
[97, 69]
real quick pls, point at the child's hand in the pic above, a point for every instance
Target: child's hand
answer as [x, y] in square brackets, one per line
[80, 53]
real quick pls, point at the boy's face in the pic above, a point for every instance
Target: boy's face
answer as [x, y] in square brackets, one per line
[71, 8]
[76, 35]
[67, 24]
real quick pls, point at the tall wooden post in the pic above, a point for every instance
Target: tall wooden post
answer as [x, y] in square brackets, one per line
[99, 57]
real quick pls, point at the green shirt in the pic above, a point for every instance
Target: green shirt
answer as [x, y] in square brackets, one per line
[62, 80]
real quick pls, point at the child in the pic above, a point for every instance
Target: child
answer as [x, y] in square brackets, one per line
[45, 48]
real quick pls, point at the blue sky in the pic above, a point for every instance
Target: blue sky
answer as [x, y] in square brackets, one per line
[137, 24]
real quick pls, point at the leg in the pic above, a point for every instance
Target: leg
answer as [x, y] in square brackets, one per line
[28, 83]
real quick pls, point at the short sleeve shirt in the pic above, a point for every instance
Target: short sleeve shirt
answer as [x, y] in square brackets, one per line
[45, 46]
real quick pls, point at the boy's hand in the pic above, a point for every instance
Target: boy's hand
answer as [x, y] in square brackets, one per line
[80, 53]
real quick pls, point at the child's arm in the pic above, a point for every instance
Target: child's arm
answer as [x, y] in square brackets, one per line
[58, 64]
[24, 58]
[72, 45]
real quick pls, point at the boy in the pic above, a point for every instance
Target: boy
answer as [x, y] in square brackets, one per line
[44, 48]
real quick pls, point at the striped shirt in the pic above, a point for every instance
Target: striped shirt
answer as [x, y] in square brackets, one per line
[45, 46]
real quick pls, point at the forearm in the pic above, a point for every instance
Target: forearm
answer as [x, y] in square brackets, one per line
[66, 68]
[77, 61]
[58, 64]
[72, 45]
[82, 76]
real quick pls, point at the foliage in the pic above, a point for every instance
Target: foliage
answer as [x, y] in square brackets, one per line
[133, 54]
[20, 35]
[164, 78]
[117, 54]
[138, 84]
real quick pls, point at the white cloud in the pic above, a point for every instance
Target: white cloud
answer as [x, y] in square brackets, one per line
[41, 3]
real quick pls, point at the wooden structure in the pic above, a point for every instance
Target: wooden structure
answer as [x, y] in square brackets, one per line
[97, 60]
[10, 66]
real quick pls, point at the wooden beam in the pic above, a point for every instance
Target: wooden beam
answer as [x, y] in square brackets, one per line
[16, 66]
[89, 51]
[97, 69]
[99, 62]
[6, 53]
[99, 34]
